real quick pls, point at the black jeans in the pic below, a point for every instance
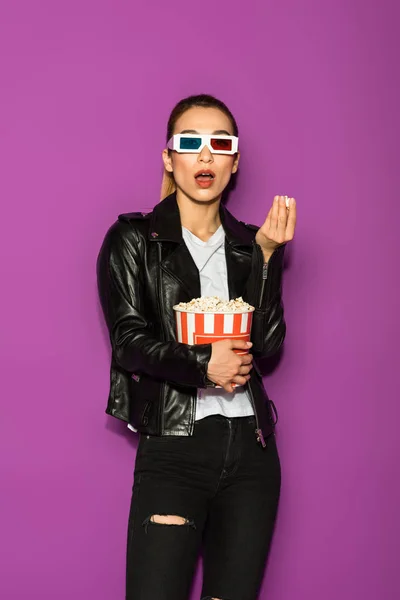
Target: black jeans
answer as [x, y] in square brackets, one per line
[226, 487]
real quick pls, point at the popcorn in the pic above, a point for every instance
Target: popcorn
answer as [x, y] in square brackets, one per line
[214, 304]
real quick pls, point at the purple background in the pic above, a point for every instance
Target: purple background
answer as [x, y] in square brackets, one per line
[86, 89]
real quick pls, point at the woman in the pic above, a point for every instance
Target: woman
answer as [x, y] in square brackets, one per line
[207, 470]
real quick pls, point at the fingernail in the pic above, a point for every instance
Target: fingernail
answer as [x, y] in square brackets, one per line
[249, 344]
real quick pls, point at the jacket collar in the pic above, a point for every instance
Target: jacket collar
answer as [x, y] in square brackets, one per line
[165, 224]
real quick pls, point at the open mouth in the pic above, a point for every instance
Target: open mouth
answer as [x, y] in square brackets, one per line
[205, 175]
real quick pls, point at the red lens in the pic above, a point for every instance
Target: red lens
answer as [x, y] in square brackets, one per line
[221, 144]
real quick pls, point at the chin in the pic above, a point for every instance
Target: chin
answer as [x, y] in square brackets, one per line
[208, 196]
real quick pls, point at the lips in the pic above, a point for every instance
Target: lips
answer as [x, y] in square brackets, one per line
[205, 175]
[205, 178]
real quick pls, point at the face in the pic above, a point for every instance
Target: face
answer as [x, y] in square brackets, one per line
[186, 168]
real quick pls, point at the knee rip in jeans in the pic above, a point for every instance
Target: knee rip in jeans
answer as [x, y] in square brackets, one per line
[169, 520]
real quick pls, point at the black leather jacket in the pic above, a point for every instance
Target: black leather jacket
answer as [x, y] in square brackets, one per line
[143, 269]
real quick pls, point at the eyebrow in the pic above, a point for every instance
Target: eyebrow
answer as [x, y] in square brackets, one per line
[217, 132]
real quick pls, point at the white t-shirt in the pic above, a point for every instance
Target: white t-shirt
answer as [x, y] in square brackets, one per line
[210, 260]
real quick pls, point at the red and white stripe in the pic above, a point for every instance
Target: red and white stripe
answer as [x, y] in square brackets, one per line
[199, 328]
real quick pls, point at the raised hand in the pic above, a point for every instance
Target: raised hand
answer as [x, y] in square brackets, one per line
[278, 227]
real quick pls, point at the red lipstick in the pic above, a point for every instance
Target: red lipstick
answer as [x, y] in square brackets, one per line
[205, 178]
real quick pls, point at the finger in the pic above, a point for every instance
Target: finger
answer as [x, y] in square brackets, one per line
[245, 369]
[267, 222]
[282, 220]
[274, 216]
[241, 379]
[228, 387]
[240, 345]
[292, 217]
[246, 359]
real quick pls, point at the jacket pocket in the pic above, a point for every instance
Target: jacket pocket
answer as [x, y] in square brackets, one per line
[273, 412]
[144, 403]
[260, 393]
[146, 413]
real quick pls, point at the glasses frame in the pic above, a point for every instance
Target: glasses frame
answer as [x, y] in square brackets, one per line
[174, 143]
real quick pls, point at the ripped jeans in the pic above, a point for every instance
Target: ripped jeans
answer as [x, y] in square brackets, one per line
[225, 487]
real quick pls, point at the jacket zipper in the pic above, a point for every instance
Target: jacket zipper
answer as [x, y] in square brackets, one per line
[264, 279]
[259, 434]
[228, 444]
[162, 387]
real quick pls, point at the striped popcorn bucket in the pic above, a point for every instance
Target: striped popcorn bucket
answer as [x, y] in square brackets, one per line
[207, 327]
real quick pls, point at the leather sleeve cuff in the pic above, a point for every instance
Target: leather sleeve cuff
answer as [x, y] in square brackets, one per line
[271, 285]
[209, 383]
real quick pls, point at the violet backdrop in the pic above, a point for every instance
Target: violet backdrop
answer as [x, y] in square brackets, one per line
[86, 89]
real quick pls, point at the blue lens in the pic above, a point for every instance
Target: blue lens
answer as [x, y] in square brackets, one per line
[192, 143]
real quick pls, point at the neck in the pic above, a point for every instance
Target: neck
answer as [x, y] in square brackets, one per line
[201, 218]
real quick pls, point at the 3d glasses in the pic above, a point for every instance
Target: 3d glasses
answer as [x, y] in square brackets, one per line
[194, 143]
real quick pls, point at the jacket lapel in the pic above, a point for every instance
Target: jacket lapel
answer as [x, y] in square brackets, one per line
[238, 252]
[238, 266]
[176, 260]
[180, 265]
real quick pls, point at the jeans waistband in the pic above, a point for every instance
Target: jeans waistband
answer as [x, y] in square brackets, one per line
[248, 419]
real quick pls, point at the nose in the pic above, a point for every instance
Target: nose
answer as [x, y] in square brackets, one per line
[205, 155]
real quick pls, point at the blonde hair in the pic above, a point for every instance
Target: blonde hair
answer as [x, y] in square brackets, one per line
[168, 185]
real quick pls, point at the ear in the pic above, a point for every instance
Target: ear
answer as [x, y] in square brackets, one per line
[236, 163]
[167, 159]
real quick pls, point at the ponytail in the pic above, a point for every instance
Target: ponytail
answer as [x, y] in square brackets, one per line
[168, 185]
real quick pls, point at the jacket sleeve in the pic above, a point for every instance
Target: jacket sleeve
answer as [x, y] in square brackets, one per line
[269, 328]
[120, 286]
